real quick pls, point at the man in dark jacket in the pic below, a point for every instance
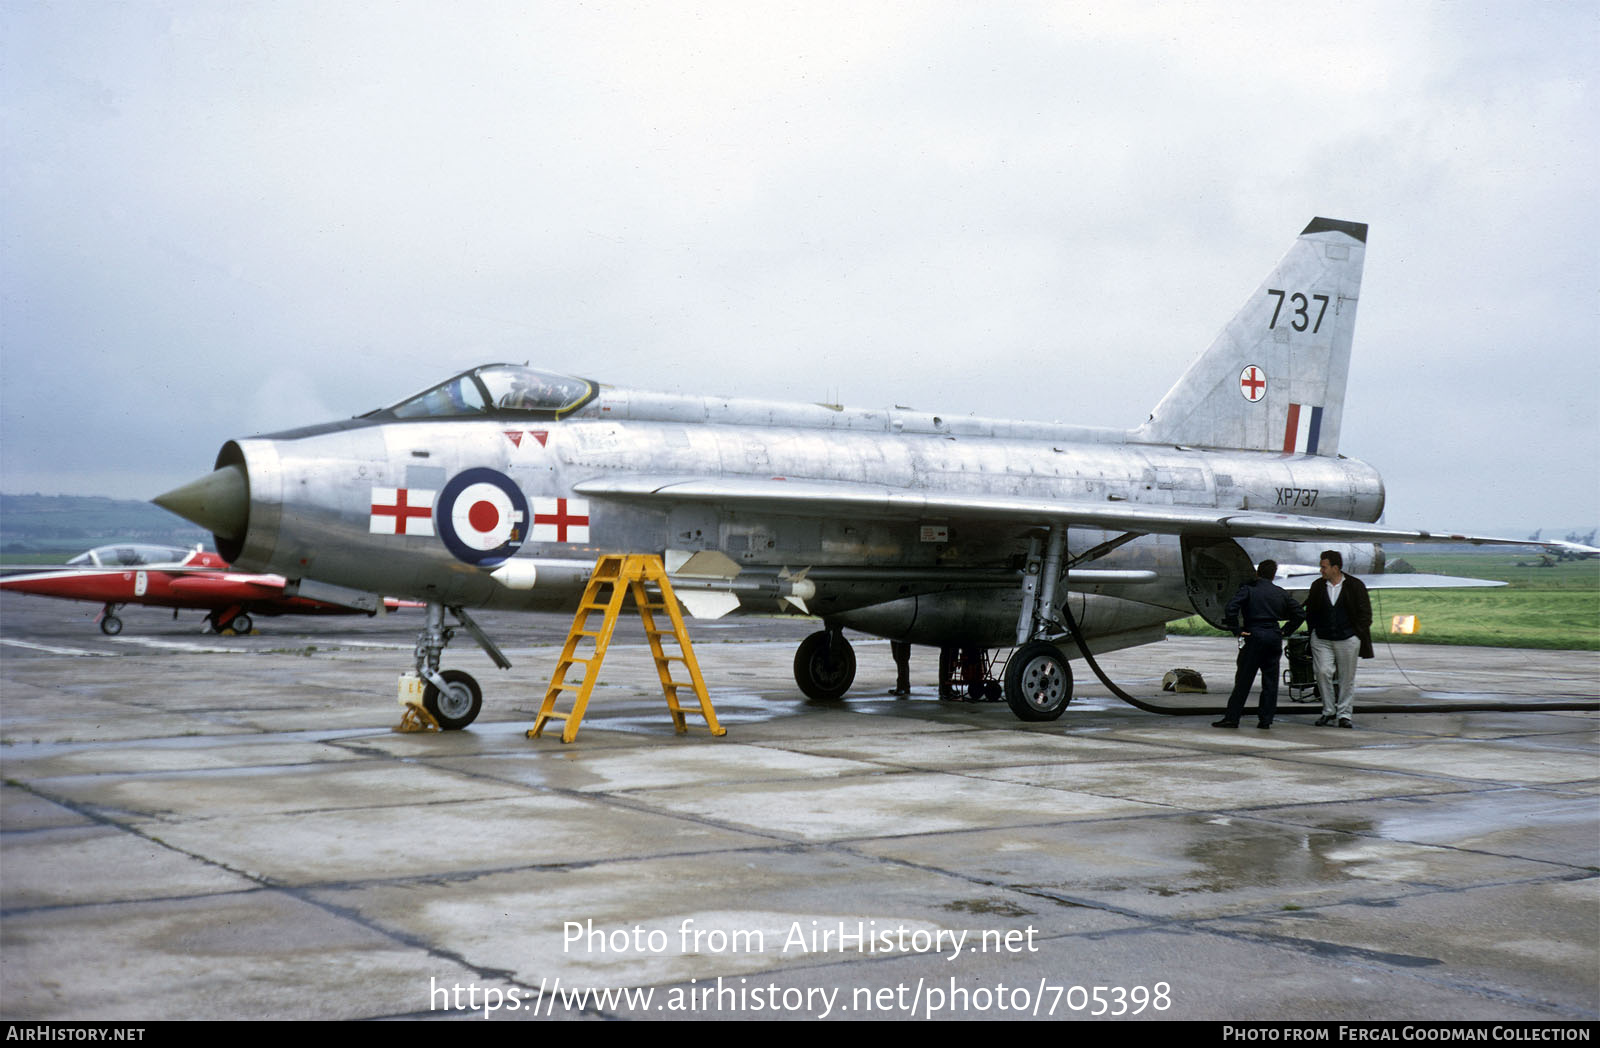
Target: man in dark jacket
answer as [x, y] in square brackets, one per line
[1339, 612]
[1253, 615]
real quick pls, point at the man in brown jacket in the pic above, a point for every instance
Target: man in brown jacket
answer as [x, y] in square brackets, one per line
[1339, 614]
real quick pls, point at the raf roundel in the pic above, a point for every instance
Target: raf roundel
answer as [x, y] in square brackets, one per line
[482, 517]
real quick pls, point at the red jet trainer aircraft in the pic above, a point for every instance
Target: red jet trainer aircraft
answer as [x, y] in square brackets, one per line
[173, 577]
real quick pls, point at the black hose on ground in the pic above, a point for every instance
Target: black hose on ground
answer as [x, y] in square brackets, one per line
[1566, 706]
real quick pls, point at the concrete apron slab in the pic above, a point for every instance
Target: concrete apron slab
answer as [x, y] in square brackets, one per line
[172, 846]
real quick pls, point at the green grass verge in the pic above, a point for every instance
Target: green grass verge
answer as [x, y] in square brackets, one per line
[1555, 606]
[55, 557]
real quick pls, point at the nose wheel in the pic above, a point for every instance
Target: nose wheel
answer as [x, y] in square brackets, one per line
[456, 705]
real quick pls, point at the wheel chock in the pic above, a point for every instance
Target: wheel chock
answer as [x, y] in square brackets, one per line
[415, 717]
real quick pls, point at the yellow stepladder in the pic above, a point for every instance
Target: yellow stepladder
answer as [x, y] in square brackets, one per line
[626, 574]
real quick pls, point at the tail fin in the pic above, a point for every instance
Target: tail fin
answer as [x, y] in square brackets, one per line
[1274, 379]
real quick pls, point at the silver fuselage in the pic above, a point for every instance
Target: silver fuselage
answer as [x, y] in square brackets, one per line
[933, 579]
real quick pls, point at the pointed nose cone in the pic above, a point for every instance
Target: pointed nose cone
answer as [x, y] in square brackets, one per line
[220, 502]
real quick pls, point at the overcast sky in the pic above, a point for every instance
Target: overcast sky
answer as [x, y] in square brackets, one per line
[227, 218]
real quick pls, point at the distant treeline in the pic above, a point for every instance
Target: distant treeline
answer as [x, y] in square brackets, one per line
[62, 523]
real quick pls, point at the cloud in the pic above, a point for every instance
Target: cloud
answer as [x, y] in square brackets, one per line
[1027, 210]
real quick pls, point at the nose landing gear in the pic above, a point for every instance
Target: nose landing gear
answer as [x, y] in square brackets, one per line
[110, 625]
[451, 697]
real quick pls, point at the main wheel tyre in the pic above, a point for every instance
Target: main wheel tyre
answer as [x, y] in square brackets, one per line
[110, 625]
[458, 705]
[825, 666]
[242, 624]
[1038, 682]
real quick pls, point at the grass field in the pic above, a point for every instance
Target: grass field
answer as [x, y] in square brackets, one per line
[1541, 607]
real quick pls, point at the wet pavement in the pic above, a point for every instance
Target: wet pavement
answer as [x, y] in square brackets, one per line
[212, 827]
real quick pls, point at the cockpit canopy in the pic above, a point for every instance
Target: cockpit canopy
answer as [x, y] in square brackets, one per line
[496, 391]
[127, 556]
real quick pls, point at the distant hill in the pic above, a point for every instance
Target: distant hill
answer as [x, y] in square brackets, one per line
[73, 523]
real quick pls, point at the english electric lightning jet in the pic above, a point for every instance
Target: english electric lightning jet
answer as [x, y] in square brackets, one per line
[171, 577]
[499, 487]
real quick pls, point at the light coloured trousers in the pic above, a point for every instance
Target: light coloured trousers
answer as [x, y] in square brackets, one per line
[1325, 656]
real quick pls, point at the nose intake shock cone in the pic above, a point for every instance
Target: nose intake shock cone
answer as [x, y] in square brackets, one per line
[218, 502]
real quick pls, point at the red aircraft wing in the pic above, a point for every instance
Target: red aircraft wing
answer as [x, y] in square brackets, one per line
[201, 581]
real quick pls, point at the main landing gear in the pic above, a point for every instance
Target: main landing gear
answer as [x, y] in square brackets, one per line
[230, 619]
[452, 697]
[825, 665]
[1038, 682]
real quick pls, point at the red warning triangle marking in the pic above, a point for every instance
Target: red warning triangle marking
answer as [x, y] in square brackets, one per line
[515, 436]
[541, 435]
